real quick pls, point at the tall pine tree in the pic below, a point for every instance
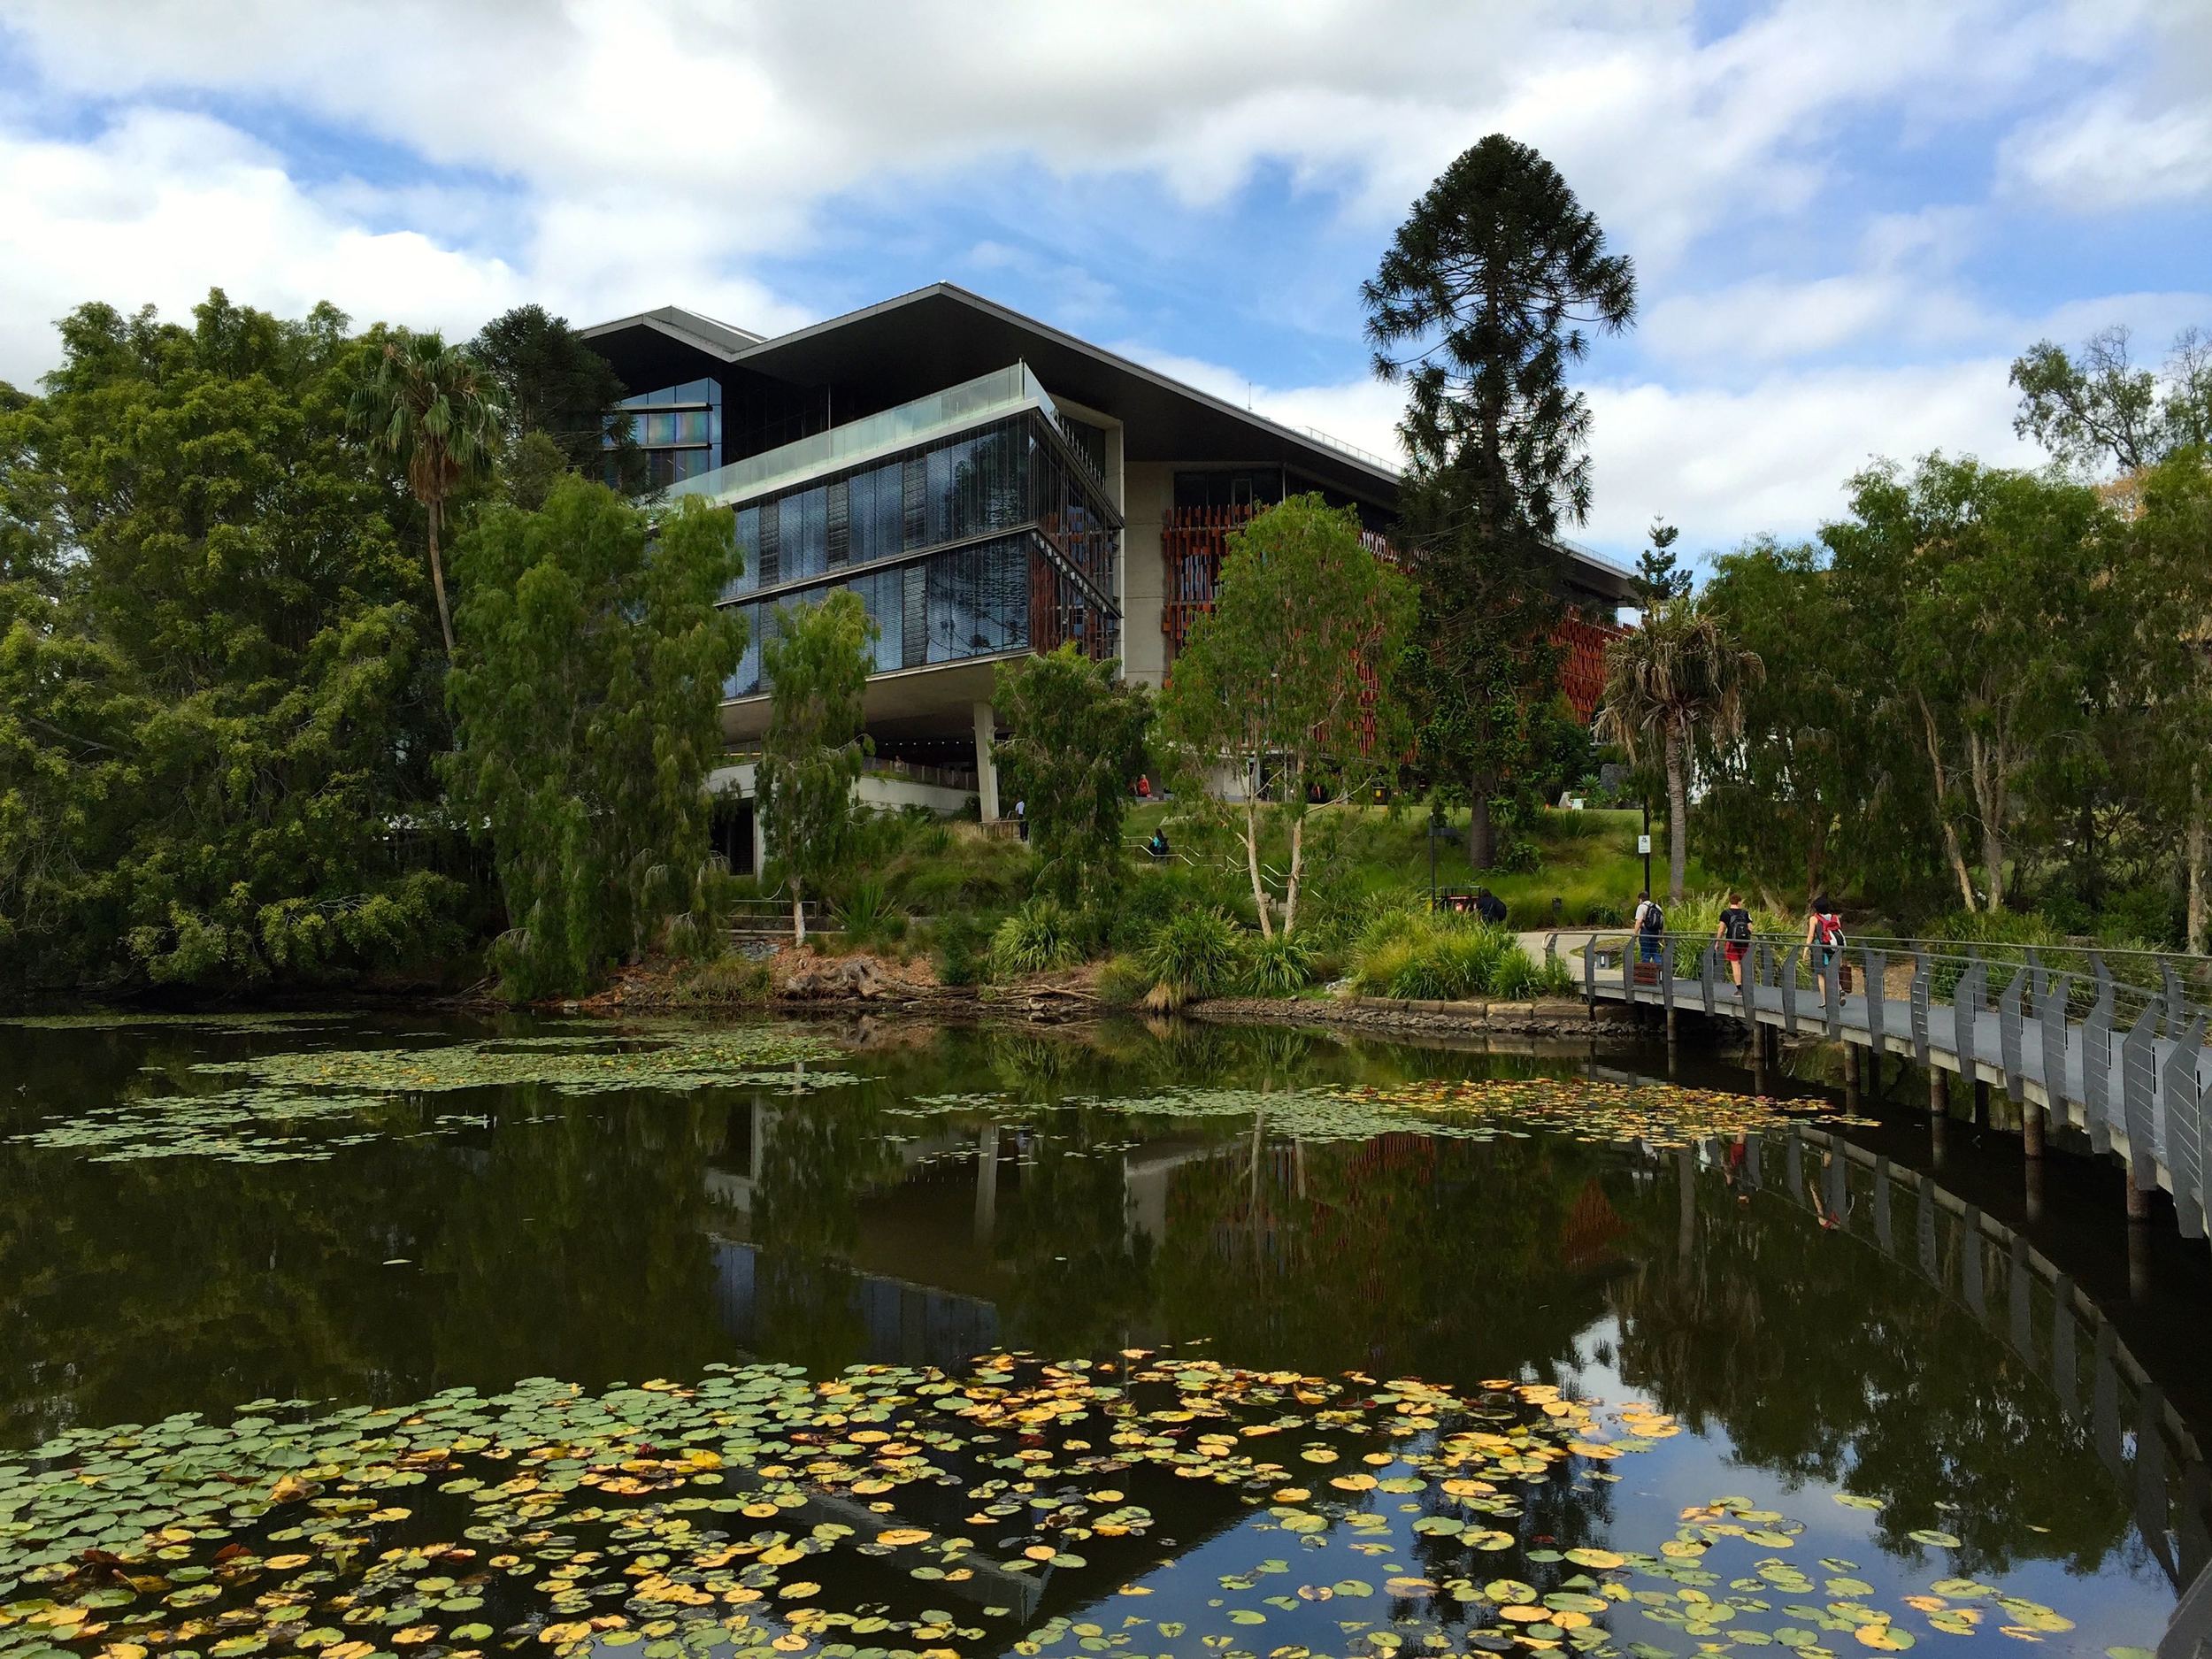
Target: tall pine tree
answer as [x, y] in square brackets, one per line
[1481, 305]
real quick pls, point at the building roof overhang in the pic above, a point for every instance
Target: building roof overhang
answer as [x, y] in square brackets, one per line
[937, 336]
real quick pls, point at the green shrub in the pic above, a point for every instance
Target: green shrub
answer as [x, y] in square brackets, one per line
[1039, 937]
[727, 982]
[1194, 955]
[1280, 966]
[1447, 958]
[1122, 982]
[963, 946]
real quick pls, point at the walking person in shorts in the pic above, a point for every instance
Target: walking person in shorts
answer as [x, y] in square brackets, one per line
[1734, 933]
[1823, 940]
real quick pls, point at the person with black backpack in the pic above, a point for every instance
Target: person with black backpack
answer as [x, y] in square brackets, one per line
[1651, 923]
[1734, 934]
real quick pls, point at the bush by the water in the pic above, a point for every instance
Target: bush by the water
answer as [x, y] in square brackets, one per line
[1194, 955]
[1448, 958]
[1042, 935]
[1280, 966]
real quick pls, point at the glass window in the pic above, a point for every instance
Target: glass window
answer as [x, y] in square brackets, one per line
[691, 426]
[803, 535]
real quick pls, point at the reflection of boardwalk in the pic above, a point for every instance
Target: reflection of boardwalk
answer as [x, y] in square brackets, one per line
[2018, 1295]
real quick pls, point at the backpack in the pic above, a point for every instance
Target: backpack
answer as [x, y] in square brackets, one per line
[1828, 929]
[1655, 919]
[1739, 922]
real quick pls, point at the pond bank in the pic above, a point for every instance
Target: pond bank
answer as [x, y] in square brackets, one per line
[1552, 1017]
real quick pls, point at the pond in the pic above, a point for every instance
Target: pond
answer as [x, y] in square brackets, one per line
[359, 1336]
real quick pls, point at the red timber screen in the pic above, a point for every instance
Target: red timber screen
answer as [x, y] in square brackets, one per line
[1194, 539]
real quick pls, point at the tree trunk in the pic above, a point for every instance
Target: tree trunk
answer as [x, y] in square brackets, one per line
[2197, 848]
[1482, 834]
[1952, 850]
[798, 915]
[1252, 860]
[1678, 818]
[1297, 867]
[437, 580]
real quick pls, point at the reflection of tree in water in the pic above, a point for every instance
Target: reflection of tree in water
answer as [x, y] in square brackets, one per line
[1450, 1259]
[571, 1245]
[819, 1158]
[1822, 1360]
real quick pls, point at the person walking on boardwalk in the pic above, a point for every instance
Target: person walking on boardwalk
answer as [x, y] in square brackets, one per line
[1823, 941]
[1651, 921]
[1734, 933]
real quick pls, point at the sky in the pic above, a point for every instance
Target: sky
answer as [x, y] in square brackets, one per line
[1846, 216]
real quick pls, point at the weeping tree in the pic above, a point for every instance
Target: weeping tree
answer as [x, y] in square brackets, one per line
[1678, 677]
[438, 413]
[816, 662]
[1078, 738]
[588, 715]
[1484, 299]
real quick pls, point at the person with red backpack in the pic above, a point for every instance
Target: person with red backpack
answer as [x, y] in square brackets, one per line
[1823, 937]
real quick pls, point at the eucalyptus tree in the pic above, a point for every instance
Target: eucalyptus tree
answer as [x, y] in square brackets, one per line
[1678, 677]
[1484, 299]
[1294, 670]
[437, 413]
[816, 661]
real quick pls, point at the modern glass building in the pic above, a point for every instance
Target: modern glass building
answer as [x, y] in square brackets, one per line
[987, 485]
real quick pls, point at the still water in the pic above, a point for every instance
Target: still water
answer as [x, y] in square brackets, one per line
[316, 1333]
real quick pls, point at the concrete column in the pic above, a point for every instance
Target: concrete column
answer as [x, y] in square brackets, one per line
[986, 768]
[1939, 1093]
[2031, 1129]
[760, 840]
[986, 1184]
[2139, 1198]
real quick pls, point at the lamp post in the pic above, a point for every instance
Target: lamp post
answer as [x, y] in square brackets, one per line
[1436, 814]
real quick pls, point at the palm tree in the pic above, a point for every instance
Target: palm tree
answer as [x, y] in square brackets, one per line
[1677, 674]
[436, 412]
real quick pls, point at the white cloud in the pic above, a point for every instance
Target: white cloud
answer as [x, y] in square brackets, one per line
[1721, 463]
[162, 207]
[1776, 455]
[2108, 152]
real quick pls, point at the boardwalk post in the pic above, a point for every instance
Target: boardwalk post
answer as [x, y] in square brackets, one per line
[2096, 1061]
[1666, 983]
[1968, 998]
[2050, 1013]
[1831, 998]
[1590, 974]
[2009, 1026]
[2137, 1082]
[1875, 966]
[2182, 1096]
[1789, 988]
[1707, 973]
[1921, 981]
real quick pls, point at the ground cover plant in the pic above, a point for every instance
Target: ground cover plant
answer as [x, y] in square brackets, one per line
[895, 1510]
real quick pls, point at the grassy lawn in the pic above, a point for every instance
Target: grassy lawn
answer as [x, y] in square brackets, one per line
[1588, 861]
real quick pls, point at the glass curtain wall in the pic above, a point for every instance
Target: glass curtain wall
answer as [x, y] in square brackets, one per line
[971, 546]
[680, 428]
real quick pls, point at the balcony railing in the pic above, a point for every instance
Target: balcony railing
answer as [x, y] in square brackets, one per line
[971, 403]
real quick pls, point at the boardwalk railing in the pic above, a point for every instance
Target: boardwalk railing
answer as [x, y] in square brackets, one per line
[2112, 1042]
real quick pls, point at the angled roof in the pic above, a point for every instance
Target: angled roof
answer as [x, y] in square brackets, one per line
[939, 336]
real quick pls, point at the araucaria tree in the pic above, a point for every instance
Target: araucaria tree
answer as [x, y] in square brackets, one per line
[435, 410]
[1676, 676]
[1481, 305]
[1078, 739]
[816, 662]
[587, 700]
[1291, 679]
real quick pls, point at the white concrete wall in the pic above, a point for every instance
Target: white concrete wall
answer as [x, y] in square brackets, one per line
[1149, 488]
[881, 792]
